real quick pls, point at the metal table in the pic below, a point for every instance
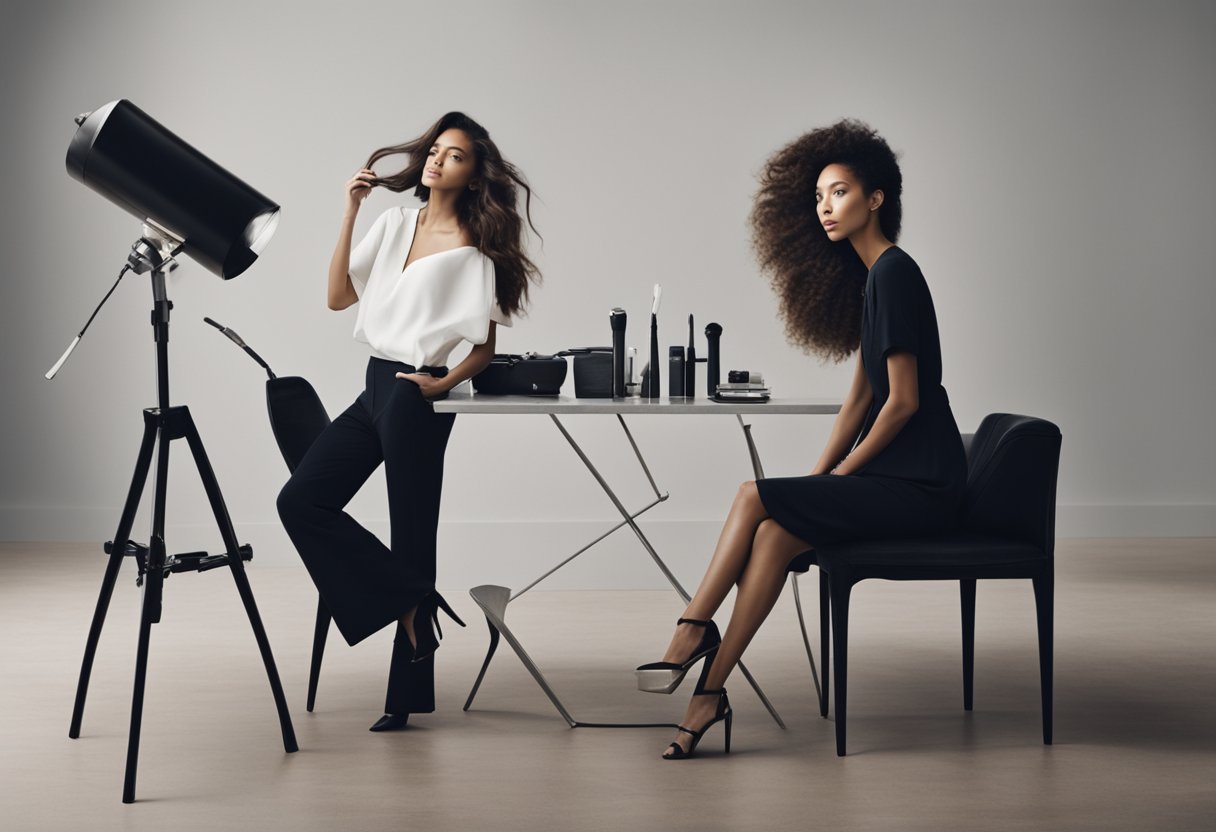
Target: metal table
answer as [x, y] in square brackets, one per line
[493, 600]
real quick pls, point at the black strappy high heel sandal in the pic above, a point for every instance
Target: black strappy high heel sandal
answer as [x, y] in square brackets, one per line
[428, 612]
[665, 677]
[724, 712]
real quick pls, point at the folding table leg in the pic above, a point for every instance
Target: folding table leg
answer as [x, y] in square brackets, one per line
[494, 599]
[806, 639]
[671, 579]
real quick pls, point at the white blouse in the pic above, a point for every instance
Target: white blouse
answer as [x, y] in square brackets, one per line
[418, 314]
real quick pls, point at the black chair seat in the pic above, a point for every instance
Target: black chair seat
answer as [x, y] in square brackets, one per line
[803, 562]
[956, 548]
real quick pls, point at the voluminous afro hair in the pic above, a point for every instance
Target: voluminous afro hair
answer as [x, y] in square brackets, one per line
[819, 282]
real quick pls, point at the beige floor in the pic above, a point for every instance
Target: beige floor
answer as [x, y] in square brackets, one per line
[1134, 711]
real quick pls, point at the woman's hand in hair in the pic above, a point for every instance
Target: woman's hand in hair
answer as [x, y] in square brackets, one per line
[357, 189]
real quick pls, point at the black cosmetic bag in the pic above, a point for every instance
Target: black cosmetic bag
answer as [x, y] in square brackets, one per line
[592, 372]
[523, 375]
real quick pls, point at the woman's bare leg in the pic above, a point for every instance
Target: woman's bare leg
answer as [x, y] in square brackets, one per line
[407, 621]
[725, 567]
[760, 585]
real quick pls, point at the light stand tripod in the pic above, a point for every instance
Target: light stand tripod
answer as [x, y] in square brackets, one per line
[162, 424]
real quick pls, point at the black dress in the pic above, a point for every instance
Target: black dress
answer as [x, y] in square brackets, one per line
[915, 484]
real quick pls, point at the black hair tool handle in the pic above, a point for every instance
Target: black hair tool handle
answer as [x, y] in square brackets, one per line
[617, 318]
[690, 364]
[713, 334]
[653, 390]
[675, 372]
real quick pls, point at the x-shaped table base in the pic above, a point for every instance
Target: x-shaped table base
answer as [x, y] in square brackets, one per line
[494, 600]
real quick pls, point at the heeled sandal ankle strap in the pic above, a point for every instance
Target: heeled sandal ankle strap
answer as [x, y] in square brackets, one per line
[703, 691]
[722, 712]
[696, 621]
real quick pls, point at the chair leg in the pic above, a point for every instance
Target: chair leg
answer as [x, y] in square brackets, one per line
[320, 631]
[967, 592]
[825, 605]
[1044, 594]
[840, 588]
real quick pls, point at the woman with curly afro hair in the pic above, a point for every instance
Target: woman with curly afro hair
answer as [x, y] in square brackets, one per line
[824, 225]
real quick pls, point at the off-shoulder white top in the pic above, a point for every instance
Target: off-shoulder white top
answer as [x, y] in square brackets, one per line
[418, 314]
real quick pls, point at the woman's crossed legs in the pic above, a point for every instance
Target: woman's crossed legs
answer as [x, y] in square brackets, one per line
[753, 552]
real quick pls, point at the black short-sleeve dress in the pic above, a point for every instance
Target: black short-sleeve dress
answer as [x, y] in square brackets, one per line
[915, 484]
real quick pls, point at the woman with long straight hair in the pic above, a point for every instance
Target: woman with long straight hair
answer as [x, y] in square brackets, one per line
[824, 223]
[426, 279]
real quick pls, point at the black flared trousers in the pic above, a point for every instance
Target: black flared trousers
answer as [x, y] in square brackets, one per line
[365, 584]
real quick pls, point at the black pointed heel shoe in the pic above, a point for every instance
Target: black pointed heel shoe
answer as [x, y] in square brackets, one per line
[428, 613]
[724, 712]
[390, 722]
[665, 677]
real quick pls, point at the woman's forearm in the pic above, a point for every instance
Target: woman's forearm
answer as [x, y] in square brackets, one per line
[341, 292]
[477, 360]
[844, 433]
[887, 424]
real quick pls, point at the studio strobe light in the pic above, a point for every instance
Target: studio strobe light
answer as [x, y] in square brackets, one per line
[188, 205]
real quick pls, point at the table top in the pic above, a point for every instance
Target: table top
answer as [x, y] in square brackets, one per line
[464, 400]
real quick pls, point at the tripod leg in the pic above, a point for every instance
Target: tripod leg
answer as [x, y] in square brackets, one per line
[149, 613]
[212, 487]
[318, 650]
[117, 552]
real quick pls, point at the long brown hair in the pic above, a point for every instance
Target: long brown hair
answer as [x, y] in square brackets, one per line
[488, 213]
[819, 282]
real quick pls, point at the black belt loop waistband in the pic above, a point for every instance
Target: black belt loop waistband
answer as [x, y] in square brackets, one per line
[402, 367]
[381, 380]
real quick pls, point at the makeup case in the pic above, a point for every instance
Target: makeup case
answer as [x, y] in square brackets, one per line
[529, 374]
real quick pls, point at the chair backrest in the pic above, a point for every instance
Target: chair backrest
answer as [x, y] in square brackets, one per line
[297, 416]
[1012, 464]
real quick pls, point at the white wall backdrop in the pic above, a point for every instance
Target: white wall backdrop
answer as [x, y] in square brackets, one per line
[1058, 196]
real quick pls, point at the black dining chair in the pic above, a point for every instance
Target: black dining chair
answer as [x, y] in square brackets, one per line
[297, 418]
[1006, 530]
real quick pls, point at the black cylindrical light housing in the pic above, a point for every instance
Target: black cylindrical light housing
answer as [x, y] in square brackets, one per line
[135, 162]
